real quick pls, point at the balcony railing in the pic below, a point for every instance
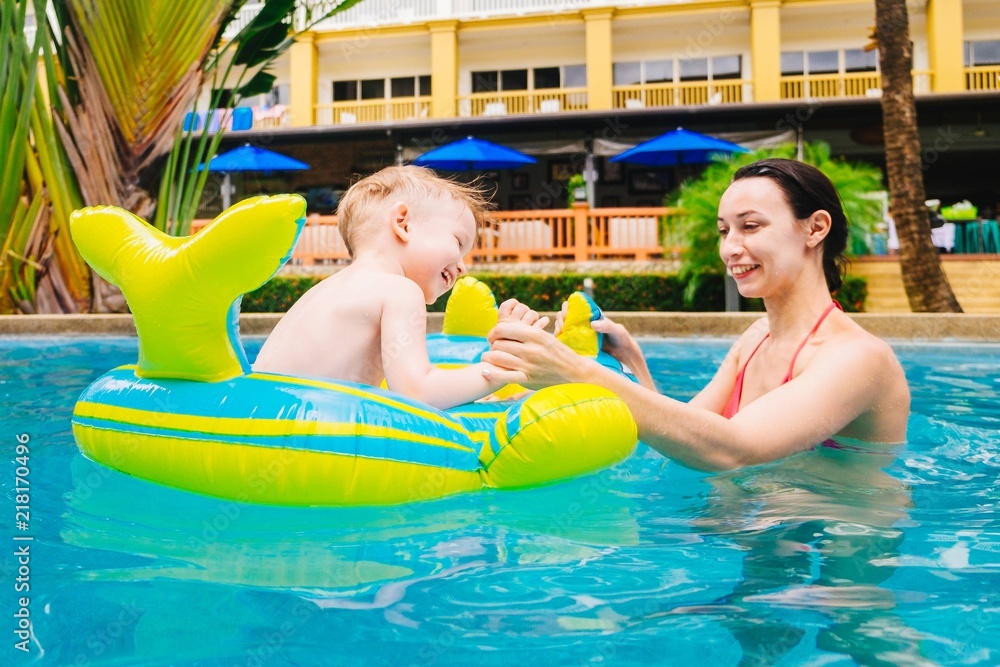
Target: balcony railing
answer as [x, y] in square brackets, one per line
[577, 234]
[982, 78]
[825, 86]
[373, 111]
[687, 93]
[400, 12]
[549, 100]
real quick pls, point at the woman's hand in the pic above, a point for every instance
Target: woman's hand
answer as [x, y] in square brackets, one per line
[513, 310]
[532, 357]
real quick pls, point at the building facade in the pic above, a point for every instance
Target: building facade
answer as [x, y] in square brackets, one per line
[566, 79]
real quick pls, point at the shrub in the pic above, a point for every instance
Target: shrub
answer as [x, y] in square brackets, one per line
[614, 292]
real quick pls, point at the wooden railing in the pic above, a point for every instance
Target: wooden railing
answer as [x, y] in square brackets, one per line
[822, 86]
[688, 93]
[982, 78]
[577, 234]
[514, 102]
[373, 111]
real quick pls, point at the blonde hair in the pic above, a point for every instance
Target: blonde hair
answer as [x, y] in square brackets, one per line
[362, 201]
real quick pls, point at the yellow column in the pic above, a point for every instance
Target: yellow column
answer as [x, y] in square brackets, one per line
[765, 49]
[444, 68]
[599, 58]
[305, 80]
[944, 41]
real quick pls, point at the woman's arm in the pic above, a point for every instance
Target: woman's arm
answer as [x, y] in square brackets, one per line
[828, 395]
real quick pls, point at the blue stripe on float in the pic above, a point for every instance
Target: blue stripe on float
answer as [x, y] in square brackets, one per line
[371, 447]
[269, 397]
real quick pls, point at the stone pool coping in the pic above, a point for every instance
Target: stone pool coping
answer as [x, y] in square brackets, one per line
[908, 326]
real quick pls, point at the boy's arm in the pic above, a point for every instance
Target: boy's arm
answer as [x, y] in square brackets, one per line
[408, 369]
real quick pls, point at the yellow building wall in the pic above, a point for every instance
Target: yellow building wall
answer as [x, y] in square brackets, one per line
[765, 49]
[759, 30]
[371, 57]
[721, 33]
[599, 57]
[944, 39]
[444, 68]
[305, 72]
[522, 47]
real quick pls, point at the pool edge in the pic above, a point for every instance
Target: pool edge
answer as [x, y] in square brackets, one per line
[910, 326]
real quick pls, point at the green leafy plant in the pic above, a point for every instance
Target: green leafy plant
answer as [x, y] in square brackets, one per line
[699, 200]
[235, 69]
[575, 182]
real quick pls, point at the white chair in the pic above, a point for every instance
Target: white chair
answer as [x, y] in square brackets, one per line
[944, 236]
[634, 104]
[550, 106]
[348, 118]
[633, 233]
[495, 109]
[523, 234]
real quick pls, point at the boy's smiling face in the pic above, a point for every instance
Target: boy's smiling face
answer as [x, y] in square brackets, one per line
[442, 232]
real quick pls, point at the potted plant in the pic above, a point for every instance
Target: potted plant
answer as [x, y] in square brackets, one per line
[576, 189]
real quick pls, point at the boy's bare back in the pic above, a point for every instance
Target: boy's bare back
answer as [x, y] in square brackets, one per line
[334, 330]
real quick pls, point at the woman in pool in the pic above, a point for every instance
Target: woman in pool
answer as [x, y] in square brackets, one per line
[805, 374]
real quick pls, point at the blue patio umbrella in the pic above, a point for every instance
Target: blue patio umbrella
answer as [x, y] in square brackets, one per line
[471, 153]
[250, 158]
[678, 146]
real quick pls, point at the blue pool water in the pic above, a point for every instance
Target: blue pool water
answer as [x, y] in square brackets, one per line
[814, 560]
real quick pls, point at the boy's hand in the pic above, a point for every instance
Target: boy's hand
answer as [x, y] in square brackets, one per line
[513, 310]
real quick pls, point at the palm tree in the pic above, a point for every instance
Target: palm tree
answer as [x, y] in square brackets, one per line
[926, 285]
[91, 125]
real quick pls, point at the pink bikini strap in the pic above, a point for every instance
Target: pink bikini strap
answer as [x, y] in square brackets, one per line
[791, 366]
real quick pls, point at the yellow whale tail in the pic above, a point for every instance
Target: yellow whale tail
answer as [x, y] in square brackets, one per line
[182, 335]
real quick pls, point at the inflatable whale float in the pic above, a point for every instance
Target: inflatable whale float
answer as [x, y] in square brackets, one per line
[192, 414]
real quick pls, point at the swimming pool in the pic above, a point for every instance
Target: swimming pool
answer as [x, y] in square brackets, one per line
[814, 560]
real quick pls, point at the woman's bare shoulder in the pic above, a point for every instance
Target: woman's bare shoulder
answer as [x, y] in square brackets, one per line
[857, 349]
[748, 340]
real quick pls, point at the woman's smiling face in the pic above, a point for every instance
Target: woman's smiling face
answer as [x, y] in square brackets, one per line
[761, 243]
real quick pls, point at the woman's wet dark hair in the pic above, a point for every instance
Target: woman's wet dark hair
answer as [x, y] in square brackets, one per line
[808, 190]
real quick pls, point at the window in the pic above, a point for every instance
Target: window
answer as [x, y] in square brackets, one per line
[859, 60]
[541, 78]
[822, 62]
[982, 53]
[546, 77]
[485, 82]
[626, 74]
[404, 87]
[280, 94]
[682, 69]
[575, 76]
[344, 91]
[659, 71]
[514, 79]
[373, 89]
[693, 69]
[793, 63]
[727, 67]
